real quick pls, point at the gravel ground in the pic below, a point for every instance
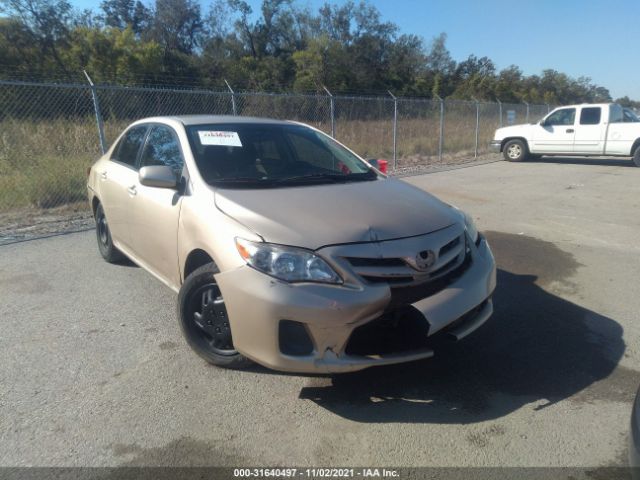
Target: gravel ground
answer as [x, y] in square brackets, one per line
[94, 371]
[30, 223]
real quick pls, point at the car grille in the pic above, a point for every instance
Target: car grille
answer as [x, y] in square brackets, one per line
[408, 283]
[402, 272]
[407, 295]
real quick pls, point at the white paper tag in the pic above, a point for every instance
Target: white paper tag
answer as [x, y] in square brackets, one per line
[225, 139]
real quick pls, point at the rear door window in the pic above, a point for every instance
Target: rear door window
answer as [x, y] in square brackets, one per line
[590, 116]
[127, 149]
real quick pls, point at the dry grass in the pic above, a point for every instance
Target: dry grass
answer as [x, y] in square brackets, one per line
[43, 164]
[417, 139]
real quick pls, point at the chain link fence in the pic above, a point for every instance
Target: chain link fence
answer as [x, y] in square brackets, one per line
[51, 133]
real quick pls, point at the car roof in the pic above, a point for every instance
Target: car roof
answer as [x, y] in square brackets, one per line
[577, 105]
[220, 119]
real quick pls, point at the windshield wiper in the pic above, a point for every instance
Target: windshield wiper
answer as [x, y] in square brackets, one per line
[241, 181]
[333, 177]
[307, 178]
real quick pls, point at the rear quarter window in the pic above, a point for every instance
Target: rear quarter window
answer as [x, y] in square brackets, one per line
[616, 114]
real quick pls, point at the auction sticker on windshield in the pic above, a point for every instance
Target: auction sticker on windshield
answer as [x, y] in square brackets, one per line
[224, 139]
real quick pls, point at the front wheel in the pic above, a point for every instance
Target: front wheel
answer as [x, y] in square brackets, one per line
[515, 151]
[204, 320]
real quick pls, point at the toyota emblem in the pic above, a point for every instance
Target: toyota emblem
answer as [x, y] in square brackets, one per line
[425, 259]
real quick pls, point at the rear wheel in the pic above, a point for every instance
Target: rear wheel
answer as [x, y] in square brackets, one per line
[515, 151]
[204, 320]
[636, 157]
[105, 243]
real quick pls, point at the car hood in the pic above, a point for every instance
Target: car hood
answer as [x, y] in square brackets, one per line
[313, 216]
[512, 131]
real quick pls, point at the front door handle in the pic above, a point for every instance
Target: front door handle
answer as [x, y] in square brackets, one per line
[570, 130]
[103, 175]
[132, 190]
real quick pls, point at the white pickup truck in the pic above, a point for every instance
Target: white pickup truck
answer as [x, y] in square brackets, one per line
[580, 130]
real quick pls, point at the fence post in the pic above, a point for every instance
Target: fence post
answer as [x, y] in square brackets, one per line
[527, 117]
[96, 106]
[475, 155]
[548, 108]
[233, 98]
[333, 112]
[395, 129]
[499, 111]
[441, 134]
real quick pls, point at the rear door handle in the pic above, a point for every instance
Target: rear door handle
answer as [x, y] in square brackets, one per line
[570, 130]
[103, 175]
[132, 190]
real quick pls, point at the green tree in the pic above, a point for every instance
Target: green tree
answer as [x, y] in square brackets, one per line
[475, 78]
[323, 63]
[110, 53]
[627, 102]
[126, 13]
[440, 67]
[45, 22]
[178, 26]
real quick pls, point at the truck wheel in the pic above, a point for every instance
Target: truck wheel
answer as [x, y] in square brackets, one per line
[636, 157]
[204, 321]
[515, 151]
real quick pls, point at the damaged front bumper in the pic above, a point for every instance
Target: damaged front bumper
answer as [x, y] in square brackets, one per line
[316, 328]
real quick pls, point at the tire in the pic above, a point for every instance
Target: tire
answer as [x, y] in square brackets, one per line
[515, 151]
[204, 321]
[636, 157]
[103, 235]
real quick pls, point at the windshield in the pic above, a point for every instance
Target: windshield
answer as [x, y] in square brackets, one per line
[254, 154]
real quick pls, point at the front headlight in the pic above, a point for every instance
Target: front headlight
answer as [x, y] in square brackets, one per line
[286, 263]
[472, 230]
[469, 224]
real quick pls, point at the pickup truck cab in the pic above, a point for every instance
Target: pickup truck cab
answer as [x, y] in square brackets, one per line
[573, 130]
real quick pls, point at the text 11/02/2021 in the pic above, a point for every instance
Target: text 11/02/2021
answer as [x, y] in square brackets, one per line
[315, 473]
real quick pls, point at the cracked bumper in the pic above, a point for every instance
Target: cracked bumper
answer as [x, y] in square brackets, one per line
[256, 304]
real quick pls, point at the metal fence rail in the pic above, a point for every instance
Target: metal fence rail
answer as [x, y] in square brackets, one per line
[50, 133]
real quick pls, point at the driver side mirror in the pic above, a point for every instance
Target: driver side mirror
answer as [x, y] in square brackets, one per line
[159, 176]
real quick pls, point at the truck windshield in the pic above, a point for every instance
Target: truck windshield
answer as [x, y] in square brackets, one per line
[250, 155]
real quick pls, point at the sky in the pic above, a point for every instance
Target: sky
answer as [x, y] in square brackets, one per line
[594, 38]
